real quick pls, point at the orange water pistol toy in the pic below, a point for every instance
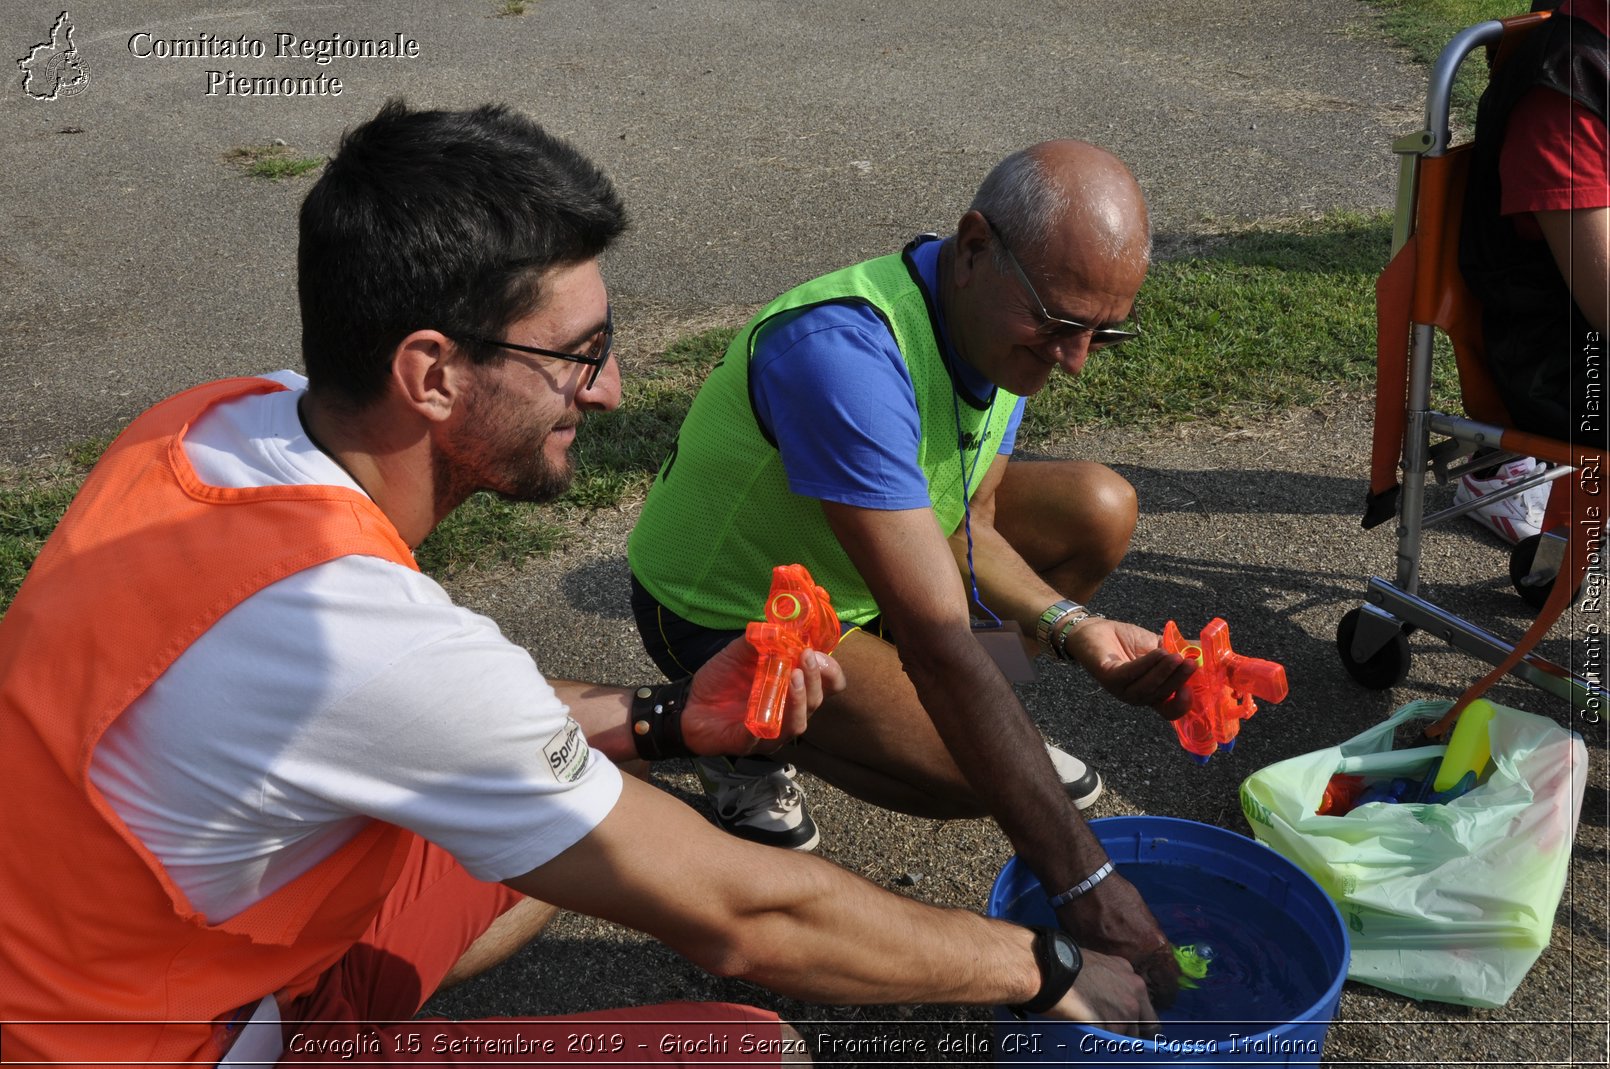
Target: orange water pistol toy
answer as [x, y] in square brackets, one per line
[799, 617]
[1221, 688]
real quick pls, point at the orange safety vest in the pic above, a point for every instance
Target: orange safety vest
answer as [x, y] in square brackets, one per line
[91, 927]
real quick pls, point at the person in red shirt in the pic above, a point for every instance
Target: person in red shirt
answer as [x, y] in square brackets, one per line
[1536, 243]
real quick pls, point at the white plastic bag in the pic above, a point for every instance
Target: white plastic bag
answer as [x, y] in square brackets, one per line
[1451, 901]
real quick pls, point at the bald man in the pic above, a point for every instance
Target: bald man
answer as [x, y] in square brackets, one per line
[863, 425]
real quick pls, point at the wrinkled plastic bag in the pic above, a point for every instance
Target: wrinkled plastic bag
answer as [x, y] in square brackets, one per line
[1453, 902]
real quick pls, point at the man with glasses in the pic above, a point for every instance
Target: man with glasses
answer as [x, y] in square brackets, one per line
[862, 424]
[269, 774]
[593, 358]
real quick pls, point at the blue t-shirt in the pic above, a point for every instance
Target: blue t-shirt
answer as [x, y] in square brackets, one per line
[831, 387]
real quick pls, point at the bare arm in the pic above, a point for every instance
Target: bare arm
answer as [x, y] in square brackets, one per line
[796, 924]
[1580, 242]
[908, 566]
[904, 558]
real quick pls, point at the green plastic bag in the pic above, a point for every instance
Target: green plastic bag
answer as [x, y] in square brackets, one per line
[1451, 902]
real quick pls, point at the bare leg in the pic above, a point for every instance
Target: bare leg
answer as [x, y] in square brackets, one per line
[518, 925]
[876, 741]
[1071, 520]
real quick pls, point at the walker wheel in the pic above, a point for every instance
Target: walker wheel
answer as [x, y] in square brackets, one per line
[1520, 565]
[1386, 668]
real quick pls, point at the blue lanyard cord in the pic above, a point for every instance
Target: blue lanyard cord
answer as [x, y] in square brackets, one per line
[967, 481]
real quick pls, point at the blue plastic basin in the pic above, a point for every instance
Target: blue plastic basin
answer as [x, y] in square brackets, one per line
[1249, 880]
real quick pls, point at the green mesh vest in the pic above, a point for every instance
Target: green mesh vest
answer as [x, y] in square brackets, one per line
[720, 515]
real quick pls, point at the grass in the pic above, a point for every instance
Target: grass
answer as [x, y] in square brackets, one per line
[1424, 27]
[27, 516]
[486, 531]
[273, 162]
[618, 453]
[1257, 322]
[33, 503]
[511, 9]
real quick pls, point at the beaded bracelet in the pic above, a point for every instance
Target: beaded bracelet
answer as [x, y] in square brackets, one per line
[1059, 635]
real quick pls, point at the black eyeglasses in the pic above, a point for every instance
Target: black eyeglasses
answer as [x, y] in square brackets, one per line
[1055, 328]
[595, 357]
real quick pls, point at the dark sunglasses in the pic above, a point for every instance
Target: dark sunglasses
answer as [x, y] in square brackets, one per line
[1055, 328]
[595, 357]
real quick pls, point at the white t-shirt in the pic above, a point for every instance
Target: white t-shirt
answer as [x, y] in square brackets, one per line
[348, 691]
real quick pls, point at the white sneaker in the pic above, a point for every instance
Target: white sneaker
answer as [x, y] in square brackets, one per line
[758, 799]
[1513, 518]
[1082, 782]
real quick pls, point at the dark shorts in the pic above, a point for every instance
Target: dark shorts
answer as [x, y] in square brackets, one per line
[680, 647]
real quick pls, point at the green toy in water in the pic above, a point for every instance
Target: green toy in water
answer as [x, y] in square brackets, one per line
[1194, 959]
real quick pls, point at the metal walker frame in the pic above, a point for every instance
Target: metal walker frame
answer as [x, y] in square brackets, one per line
[1420, 291]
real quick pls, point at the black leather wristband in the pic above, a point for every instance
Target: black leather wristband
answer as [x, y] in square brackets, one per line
[657, 720]
[1059, 960]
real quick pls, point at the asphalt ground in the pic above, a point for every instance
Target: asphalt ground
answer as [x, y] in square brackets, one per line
[759, 144]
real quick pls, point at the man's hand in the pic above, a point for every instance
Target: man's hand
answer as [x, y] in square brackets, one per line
[1130, 664]
[713, 722]
[1112, 919]
[1108, 993]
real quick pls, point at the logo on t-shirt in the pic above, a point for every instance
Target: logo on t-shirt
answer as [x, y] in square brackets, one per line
[567, 752]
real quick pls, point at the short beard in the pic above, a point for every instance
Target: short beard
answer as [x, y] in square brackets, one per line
[503, 460]
[536, 482]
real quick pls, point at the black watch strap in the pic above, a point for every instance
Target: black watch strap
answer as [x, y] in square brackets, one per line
[657, 720]
[1059, 960]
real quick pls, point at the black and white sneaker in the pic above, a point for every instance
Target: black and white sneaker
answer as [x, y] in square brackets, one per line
[759, 800]
[1082, 782]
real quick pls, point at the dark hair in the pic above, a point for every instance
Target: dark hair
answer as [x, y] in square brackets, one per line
[438, 219]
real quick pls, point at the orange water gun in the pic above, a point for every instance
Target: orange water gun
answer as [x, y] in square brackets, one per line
[799, 617]
[1221, 688]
